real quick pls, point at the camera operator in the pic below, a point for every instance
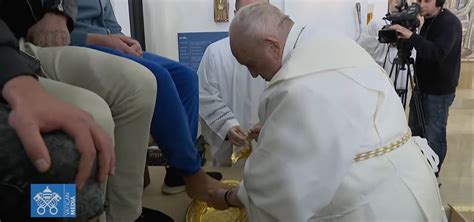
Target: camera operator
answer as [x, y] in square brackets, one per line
[437, 69]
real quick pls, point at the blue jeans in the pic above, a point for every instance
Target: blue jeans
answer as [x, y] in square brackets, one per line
[17, 173]
[176, 115]
[435, 110]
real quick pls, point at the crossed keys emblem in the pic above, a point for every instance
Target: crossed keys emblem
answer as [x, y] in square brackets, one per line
[45, 199]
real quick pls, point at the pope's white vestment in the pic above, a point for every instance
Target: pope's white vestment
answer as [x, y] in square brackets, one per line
[329, 102]
[228, 96]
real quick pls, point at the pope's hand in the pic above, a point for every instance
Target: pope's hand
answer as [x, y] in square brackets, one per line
[217, 200]
[255, 131]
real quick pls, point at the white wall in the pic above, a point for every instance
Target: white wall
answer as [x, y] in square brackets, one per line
[121, 13]
[338, 15]
[380, 8]
[165, 18]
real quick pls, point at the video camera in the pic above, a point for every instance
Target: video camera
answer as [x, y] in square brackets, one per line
[407, 16]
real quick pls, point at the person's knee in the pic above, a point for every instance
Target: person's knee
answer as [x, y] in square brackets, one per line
[15, 162]
[100, 111]
[191, 74]
[132, 85]
[192, 79]
[64, 167]
[142, 86]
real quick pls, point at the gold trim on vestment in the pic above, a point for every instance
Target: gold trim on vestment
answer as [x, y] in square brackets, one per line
[385, 149]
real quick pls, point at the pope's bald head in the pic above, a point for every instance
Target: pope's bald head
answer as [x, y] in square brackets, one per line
[257, 21]
[258, 34]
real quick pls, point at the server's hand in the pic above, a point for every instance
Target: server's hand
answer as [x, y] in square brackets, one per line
[237, 136]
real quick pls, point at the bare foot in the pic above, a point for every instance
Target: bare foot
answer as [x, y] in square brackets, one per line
[199, 184]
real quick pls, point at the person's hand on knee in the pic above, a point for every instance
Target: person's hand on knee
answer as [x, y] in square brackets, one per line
[50, 31]
[117, 42]
[35, 112]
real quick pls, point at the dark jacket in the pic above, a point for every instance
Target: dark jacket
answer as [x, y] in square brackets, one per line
[438, 54]
[13, 63]
[16, 17]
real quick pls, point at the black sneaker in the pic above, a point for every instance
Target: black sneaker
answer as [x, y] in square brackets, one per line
[174, 182]
[155, 157]
[149, 215]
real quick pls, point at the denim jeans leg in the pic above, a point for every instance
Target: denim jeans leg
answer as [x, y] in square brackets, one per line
[435, 112]
[174, 123]
[187, 84]
[436, 109]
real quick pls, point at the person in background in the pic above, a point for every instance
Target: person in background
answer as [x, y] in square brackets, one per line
[437, 68]
[117, 92]
[383, 53]
[32, 152]
[175, 118]
[228, 98]
[334, 143]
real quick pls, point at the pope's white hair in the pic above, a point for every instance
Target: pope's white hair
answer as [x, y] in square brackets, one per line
[258, 21]
[238, 3]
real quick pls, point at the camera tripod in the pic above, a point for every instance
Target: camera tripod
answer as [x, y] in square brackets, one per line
[404, 61]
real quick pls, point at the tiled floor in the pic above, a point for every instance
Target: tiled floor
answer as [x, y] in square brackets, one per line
[457, 176]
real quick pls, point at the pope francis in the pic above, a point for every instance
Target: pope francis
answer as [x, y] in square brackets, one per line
[335, 144]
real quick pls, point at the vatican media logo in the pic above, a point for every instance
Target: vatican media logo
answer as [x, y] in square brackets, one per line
[47, 199]
[53, 200]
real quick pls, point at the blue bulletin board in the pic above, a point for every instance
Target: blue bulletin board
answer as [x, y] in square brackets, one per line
[192, 46]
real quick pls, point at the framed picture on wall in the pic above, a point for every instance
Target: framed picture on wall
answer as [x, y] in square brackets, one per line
[221, 10]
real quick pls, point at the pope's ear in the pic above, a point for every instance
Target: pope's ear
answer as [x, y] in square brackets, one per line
[274, 47]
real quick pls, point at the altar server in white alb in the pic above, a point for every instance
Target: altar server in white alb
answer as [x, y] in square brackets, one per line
[370, 35]
[384, 54]
[228, 98]
[335, 144]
